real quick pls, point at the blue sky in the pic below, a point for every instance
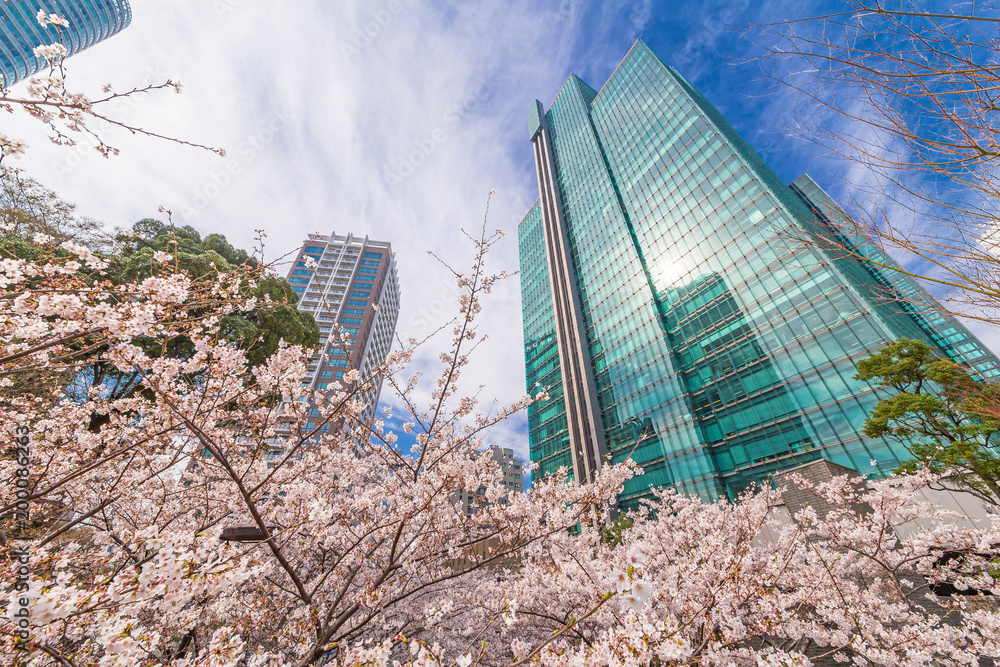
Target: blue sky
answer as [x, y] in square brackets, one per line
[392, 119]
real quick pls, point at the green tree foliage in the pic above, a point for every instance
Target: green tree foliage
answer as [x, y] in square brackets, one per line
[945, 418]
[258, 331]
[27, 208]
[611, 534]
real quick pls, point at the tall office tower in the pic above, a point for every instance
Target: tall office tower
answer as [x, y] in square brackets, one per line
[90, 21]
[685, 307]
[513, 480]
[352, 290]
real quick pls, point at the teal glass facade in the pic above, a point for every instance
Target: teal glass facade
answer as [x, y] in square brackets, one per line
[90, 21]
[719, 338]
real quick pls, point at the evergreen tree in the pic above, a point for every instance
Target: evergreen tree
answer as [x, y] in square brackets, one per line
[27, 208]
[946, 418]
[258, 331]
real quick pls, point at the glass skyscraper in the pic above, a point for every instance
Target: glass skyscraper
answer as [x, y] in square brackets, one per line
[687, 308]
[351, 287]
[90, 21]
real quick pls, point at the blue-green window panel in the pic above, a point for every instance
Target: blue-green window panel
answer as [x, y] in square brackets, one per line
[547, 431]
[882, 282]
[561, 457]
[696, 201]
[615, 310]
[89, 22]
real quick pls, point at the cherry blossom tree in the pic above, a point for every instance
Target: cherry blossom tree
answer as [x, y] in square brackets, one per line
[355, 553]
[356, 543]
[226, 514]
[694, 583]
[27, 208]
[906, 97]
[67, 114]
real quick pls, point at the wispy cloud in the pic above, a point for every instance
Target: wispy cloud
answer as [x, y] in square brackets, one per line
[392, 119]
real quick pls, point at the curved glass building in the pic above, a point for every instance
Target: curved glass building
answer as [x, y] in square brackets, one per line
[90, 21]
[680, 303]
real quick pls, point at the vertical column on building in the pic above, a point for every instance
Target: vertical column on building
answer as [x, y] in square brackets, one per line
[583, 415]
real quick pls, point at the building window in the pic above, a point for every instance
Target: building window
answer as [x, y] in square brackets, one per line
[363, 295]
[301, 281]
[339, 374]
[299, 272]
[361, 285]
[366, 262]
[326, 375]
[373, 255]
[299, 289]
[313, 249]
[365, 269]
[353, 302]
[351, 320]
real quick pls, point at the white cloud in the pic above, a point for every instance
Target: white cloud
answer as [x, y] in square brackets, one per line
[387, 118]
[392, 119]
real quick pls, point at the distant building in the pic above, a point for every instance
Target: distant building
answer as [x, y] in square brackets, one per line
[988, 239]
[350, 286]
[513, 480]
[688, 309]
[90, 21]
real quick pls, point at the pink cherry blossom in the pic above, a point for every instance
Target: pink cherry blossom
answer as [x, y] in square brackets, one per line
[620, 580]
[635, 557]
[51, 52]
[354, 553]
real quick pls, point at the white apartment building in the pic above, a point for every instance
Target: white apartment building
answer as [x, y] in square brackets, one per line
[350, 286]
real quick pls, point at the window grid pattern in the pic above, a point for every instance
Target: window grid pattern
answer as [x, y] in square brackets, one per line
[90, 21]
[547, 429]
[630, 360]
[363, 337]
[723, 341]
